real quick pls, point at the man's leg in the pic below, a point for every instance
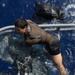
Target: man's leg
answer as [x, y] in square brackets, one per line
[57, 59]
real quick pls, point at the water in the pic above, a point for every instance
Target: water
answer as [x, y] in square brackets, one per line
[11, 47]
[12, 10]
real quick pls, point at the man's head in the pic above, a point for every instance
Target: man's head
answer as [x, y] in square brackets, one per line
[21, 25]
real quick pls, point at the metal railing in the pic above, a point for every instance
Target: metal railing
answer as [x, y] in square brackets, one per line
[48, 27]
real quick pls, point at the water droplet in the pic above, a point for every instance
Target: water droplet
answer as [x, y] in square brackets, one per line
[3, 5]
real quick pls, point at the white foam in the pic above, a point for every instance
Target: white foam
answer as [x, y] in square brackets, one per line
[70, 10]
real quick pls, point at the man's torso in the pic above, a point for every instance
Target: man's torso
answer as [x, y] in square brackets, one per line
[38, 35]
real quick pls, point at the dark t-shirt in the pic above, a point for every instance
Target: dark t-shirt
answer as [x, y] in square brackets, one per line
[36, 35]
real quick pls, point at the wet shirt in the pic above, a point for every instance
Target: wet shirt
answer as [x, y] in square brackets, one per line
[36, 35]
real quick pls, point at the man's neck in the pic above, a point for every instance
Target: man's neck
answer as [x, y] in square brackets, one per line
[28, 28]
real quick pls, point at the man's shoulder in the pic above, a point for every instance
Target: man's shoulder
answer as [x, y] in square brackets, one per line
[31, 22]
[28, 20]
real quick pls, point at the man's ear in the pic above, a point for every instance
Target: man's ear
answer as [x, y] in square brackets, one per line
[25, 28]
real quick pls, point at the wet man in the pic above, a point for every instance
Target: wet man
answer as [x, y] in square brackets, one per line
[35, 35]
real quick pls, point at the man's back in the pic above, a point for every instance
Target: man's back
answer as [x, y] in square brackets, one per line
[38, 35]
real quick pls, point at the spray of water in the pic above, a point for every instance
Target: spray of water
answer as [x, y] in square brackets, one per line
[13, 48]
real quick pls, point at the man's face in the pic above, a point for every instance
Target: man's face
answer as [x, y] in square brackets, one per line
[20, 30]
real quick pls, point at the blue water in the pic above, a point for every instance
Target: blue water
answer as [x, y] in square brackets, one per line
[10, 10]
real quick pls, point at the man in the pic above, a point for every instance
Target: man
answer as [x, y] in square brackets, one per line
[34, 34]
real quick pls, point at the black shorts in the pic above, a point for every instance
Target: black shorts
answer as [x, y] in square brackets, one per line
[54, 47]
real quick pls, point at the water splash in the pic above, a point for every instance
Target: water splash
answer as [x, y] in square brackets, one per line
[11, 46]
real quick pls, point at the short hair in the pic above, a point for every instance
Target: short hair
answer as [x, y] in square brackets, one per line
[21, 23]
